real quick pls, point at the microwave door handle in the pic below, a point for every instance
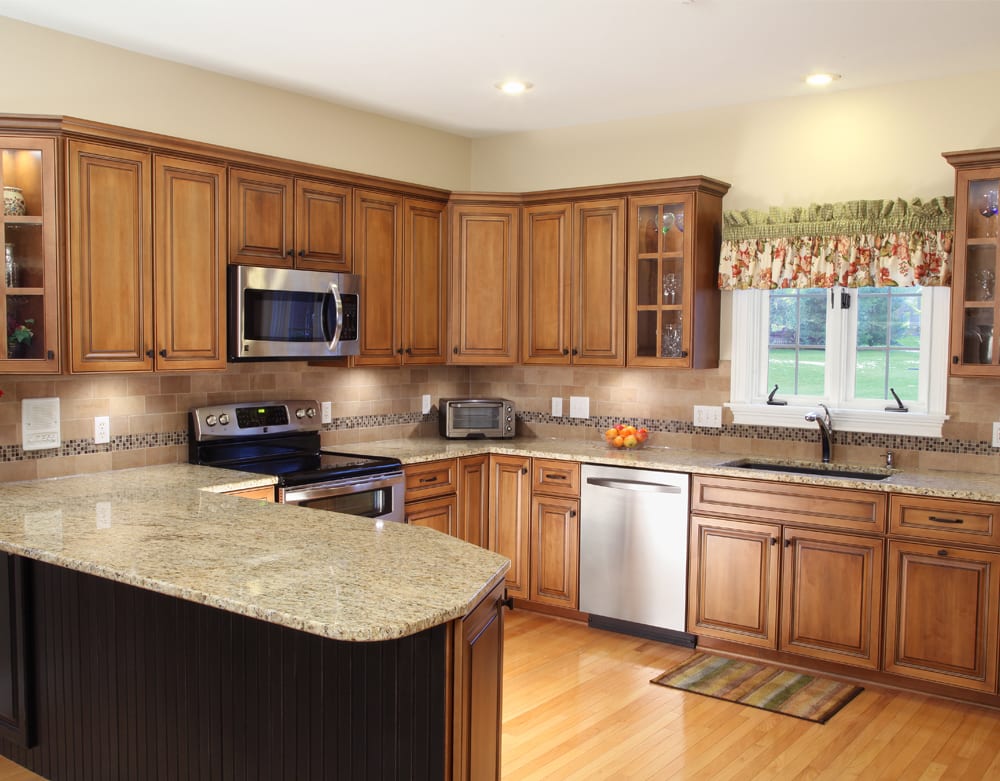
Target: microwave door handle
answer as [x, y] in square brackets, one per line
[338, 302]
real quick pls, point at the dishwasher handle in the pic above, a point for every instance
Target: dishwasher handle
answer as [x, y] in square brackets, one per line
[633, 485]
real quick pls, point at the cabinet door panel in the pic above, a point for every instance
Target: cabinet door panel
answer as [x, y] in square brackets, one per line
[377, 258]
[555, 551]
[484, 315]
[941, 615]
[510, 506]
[260, 218]
[322, 226]
[438, 514]
[111, 259]
[733, 586]
[425, 275]
[599, 283]
[473, 499]
[832, 596]
[545, 285]
[189, 259]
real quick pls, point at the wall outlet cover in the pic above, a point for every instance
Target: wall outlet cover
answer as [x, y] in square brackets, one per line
[326, 412]
[102, 430]
[425, 404]
[556, 407]
[996, 434]
[579, 406]
[707, 416]
[40, 424]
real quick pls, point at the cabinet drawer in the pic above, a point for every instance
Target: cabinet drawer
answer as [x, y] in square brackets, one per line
[265, 493]
[951, 520]
[435, 478]
[554, 477]
[812, 505]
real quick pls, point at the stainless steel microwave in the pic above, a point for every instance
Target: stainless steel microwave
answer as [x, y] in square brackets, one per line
[476, 418]
[286, 314]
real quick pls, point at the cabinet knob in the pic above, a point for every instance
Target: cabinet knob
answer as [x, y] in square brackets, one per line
[507, 602]
[454, 350]
[51, 355]
[565, 351]
[524, 470]
[954, 359]
[163, 353]
[399, 351]
[789, 541]
[575, 351]
[302, 253]
[150, 353]
[409, 351]
[291, 253]
[572, 513]
[774, 540]
[684, 353]
[942, 553]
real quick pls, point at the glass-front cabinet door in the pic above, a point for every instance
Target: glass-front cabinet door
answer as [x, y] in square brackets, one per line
[29, 292]
[660, 288]
[974, 351]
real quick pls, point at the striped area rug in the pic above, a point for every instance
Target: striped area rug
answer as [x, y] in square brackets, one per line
[761, 686]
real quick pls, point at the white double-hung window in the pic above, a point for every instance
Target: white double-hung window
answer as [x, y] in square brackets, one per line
[847, 313]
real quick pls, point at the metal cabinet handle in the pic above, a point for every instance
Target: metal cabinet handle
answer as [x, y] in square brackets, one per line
[553, 477]
[942, 553]
[428, 479]
[51, 355]
[633, 485]
[945, 520]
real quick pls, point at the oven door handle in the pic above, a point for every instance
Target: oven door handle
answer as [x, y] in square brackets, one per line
[305, 493]
[334, 294]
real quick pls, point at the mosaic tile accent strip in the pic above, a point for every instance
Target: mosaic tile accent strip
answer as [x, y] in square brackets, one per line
[76, 447]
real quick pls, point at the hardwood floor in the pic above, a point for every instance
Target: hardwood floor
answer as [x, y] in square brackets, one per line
[578, 704]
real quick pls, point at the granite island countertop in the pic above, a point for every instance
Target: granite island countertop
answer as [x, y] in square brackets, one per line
[168, 529]
[954, 485]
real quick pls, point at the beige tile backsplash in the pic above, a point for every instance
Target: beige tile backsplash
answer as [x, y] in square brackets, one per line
[154, 404]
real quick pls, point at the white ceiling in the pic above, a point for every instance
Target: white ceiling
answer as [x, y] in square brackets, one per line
[434, 62]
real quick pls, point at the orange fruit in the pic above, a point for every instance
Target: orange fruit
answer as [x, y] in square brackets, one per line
[618, 441]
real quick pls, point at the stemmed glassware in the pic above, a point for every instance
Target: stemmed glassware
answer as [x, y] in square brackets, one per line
[988, 208]
[669, 287]
[986, 279]
[672, 337]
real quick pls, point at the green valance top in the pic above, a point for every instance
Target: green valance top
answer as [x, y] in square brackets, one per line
[849, 218]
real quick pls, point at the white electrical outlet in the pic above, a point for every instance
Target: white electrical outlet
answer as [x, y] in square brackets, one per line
[707, 416]
[425, 404]
[996, 434]
[326, 412]
[579, 406]
[556, 407]
[102, 430]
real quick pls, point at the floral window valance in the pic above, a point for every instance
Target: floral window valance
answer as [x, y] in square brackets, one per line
[854, 244]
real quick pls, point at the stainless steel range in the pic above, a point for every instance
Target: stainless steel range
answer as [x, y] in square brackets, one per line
[281, 438]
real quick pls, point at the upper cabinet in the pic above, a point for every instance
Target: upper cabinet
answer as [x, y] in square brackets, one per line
[573, 283]
[484, 284]
[30, 292]
[974, 301]
[286, 221]
[117, 267]
[673, 295]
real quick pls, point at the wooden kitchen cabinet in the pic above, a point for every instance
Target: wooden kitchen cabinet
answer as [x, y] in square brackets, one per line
[289, 222]
[440, 513]
[399, 251]
[974, 300]
[673, 295]
[30, 293]
[509, 513]
[831, 596]
[733, 581]
[264, 493]
[473, 499]
[116, 271]
[17, 692]
[941, 614]
[555, 551]
[483, 300]
[573, 283]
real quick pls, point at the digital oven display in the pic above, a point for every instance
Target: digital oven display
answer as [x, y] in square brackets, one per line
[255, 417]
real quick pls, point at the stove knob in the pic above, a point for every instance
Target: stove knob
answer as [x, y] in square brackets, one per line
[311, 412]
[224, 419]
[300, 413]
[210, 420]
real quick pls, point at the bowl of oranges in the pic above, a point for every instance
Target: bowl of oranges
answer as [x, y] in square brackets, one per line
[624, 435]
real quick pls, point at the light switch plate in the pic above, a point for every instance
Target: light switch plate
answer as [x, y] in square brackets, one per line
[425, 404]
[556, 407]
[579, 406]
[996, 434]
[707, 416]
[326, 412]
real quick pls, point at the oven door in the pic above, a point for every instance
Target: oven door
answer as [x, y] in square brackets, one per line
[379, 497]
[290, 314]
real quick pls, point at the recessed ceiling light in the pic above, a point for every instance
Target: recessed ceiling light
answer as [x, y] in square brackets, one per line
[821, 79]
[513, 87]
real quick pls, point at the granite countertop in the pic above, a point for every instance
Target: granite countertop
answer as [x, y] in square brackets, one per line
[168, 529]
[955, 485]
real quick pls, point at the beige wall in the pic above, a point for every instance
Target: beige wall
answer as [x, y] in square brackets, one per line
[844, 145]
[52, 73]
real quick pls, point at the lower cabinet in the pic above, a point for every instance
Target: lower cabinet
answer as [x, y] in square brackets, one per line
[478, 687]
[509, 508]
[941, 614]
[439, 514]
[16, 691]
[264, 494]
[450, 495]
[555, 551]
[473, 499]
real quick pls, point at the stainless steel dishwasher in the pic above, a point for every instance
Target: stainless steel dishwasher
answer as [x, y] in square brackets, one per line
[633, 551]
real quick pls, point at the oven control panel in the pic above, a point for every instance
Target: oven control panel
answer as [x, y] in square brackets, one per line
[242, 420]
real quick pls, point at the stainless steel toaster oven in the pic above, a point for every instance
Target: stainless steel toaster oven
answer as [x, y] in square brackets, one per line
[476, 418]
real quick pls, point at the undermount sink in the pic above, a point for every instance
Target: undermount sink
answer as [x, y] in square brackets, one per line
[822, 470]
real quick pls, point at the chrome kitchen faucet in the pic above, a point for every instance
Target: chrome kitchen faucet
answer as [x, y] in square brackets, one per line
[825, 430]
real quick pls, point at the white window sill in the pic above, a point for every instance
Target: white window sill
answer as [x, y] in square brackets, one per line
[912, 424]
